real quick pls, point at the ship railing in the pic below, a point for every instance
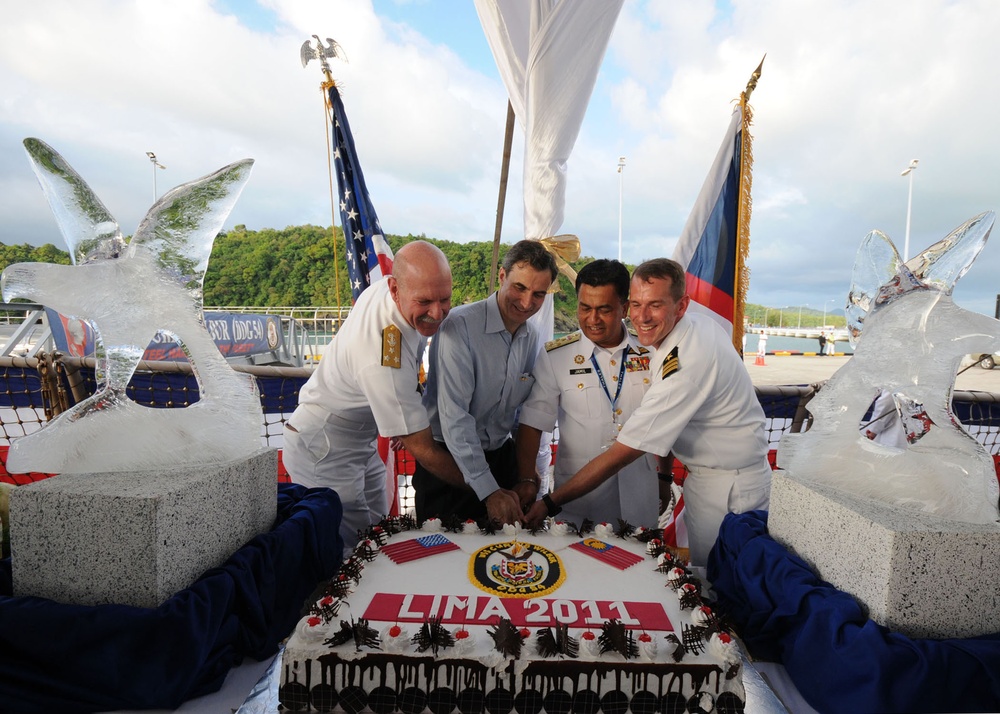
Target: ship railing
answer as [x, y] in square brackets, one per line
[33, 390]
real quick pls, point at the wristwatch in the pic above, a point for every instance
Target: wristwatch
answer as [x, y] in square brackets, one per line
[550, 506]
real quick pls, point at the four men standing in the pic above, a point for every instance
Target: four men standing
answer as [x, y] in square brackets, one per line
[677, 386]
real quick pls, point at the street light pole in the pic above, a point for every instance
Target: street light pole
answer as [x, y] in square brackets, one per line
[156, 165]
[799, 326]
[908, 171]
[621, 175]
[824, 309]
[766, 310]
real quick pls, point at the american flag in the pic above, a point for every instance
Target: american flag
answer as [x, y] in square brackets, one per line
[407, 550]
[607, 553]
[368, 255]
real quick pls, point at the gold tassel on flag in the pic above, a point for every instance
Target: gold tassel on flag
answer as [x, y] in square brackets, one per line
[742, 278]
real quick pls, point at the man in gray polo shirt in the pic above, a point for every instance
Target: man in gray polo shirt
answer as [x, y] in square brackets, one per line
[481, 364]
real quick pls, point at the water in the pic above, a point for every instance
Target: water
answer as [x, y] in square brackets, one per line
[776, 343]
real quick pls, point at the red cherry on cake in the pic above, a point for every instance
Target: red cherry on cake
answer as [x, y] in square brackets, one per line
[644, 637]
[725, 638]
[588, 635]
[326, 601]
[525, 632]
[395, 631]
[461, 634]
[314, 621]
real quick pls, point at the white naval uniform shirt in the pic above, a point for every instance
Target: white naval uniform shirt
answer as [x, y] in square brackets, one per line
[568, 391]
[353, 395]
[705, 410]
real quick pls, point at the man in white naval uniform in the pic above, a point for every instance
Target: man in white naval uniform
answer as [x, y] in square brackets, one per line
[590, 382]
[366, 384]
[701, 406]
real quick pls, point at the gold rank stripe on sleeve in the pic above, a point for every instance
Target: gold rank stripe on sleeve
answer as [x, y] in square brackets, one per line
[670, 365]
[391, 347]
[562, 341]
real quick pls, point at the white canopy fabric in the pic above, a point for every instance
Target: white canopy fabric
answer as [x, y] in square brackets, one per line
[548, 53]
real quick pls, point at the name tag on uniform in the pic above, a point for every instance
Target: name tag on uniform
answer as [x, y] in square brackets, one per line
[637, 364]
[581, 370]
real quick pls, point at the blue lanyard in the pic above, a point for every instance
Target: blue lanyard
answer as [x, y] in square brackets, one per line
[604, 384]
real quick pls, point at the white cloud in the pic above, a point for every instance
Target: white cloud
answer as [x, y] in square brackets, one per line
[850, 92]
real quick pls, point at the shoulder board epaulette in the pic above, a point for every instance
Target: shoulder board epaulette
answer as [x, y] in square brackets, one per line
[671, 364]
[392, 347]
[562, 341]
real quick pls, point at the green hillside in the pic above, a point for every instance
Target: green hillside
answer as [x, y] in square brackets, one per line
[295, 267]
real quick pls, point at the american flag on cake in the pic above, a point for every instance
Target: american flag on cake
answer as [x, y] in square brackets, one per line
[407, 550]
[607, 553]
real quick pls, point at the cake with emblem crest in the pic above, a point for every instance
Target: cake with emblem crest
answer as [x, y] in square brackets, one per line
[590, 619]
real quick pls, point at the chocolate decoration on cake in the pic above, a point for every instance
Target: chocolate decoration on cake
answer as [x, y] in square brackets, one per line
[360, 632]
[678, 648]
[507, 638]
[560, 642]
[433, 636]
[615, 638]
[624, 529]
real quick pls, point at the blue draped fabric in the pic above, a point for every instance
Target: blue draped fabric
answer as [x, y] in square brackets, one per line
[73, 658]
[839, 660]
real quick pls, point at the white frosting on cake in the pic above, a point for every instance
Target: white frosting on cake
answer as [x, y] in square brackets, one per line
[395, 639]
[589, 644]
[647, 647]
[604, 531]
[675, 577]
[560, 528]
[470, 527]
[312, 630]
[701, 616]
[432, 525]
[465, 642]
[723, 646]
[511, 530]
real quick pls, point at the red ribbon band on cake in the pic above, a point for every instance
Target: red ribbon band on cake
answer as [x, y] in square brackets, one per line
[536, 612]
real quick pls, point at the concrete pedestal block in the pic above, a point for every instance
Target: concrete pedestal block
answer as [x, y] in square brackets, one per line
[136, 538]
[916, 574]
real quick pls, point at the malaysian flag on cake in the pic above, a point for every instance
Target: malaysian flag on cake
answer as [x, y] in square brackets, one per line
[417, 548]
[607, 553]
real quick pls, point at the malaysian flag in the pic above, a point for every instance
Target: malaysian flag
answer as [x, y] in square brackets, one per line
[407, 550]
[607, 553]
[368, 255]
[715, 242]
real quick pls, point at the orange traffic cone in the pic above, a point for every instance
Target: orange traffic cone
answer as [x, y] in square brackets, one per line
[760, 360]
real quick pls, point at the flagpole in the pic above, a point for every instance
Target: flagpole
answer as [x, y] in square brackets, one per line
[307, 53]
[741, 282]
[328, 117]
[501, 199]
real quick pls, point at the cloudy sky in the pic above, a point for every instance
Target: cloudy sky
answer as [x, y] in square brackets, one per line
[851, 92]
